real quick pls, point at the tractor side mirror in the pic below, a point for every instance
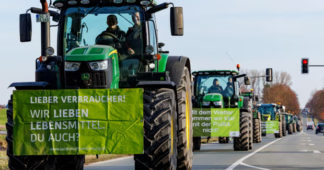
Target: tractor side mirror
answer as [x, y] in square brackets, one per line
[247, 81]
[269, 75]
[176, 14]
[25, 27]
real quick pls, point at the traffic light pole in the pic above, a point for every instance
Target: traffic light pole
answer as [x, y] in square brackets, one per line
[316, 65]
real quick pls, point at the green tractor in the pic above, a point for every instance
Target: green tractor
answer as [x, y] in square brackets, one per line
[257, 136]
[272, 119]
[290, 123]
[88, 58]
[219, 89]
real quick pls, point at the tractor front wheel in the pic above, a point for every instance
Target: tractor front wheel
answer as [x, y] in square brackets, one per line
[257, 130]
[196, 143]
[160, 131]
[185, 132]
[241, 143]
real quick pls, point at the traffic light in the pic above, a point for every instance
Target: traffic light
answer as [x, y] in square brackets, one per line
[305, 65]
[269, 75]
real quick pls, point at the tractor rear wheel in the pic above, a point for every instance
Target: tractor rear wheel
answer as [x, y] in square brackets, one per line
[196, 143]
[284, 127]
[257, 130]
[73, 162]
[160, 131]
[185, 133]
[250, 132]
[290, 129]
[294, 128]
[241, 143]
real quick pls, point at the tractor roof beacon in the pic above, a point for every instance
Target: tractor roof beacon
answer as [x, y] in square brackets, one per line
[84, 62]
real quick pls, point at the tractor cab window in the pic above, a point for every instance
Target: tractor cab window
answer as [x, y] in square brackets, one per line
[118, 27]
[153, 39]
[222, 84]
[267, 110]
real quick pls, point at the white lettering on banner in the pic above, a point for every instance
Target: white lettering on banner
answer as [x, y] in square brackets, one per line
[43, 99]
[39, 113]
[66, 137]
[65, 125]
[94, 99]
[70, 113]
[37, 137]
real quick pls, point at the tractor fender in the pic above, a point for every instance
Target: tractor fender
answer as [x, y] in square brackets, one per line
[29, 85]
[175, 66]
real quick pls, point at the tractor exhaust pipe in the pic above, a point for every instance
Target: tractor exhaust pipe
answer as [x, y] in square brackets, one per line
[45, 30]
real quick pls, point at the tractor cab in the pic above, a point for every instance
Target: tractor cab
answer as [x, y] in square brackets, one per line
[268, 112]
[216, 89]
[102, 44]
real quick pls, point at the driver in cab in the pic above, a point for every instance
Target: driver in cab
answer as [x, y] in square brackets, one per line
[113, 35]
[215, 88]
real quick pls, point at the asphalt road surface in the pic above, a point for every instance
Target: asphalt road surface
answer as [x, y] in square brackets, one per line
[303, 150]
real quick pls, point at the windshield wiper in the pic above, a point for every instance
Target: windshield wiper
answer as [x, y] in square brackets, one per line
[125, 19]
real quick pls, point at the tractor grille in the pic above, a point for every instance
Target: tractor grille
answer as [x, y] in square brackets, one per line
[94, 79]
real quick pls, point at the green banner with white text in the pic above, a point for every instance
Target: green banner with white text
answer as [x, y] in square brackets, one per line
[216, 122]
[271, 127]
[78, 121]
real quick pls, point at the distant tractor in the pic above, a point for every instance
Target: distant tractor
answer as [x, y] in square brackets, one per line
[257, 136]
[271, 113]
[211, 91]
[88, 57]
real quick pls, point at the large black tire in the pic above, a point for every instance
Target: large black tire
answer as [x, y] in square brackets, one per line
[241, 143]
[257, 131]
[250, 132]
[185, 133]
[284, 127]
[223, 139]
[294, 128]
[299, 126]
[196, 143]
[290, 129]
[160, 131]
[37, 162]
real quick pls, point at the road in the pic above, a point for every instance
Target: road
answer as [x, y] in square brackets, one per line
[303, 150]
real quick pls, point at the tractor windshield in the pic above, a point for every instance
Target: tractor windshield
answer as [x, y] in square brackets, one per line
[119, 27]
[222, 84]
[266, 110]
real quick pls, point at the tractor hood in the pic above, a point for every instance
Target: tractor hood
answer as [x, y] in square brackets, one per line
[90, 53]
[213, 97]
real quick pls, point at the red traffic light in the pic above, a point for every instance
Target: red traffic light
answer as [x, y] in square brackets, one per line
[305, 61]
[304, 65]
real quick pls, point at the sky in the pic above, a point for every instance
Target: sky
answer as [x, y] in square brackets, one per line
[218, 35]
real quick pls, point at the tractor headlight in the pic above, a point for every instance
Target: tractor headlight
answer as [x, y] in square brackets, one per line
[206, 103]
[99, 65]
[218, 103]
[72, 66]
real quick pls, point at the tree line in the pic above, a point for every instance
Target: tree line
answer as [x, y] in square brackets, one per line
[278, 91]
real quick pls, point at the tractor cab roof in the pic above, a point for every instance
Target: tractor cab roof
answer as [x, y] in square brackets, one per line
[75, 3]
[216, 72]
[268, 105]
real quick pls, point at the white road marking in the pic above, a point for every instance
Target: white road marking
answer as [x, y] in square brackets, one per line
[316, 151]
[255, 167]
[112, 160]
[311, 144]
[304, 150]
[240, 161]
